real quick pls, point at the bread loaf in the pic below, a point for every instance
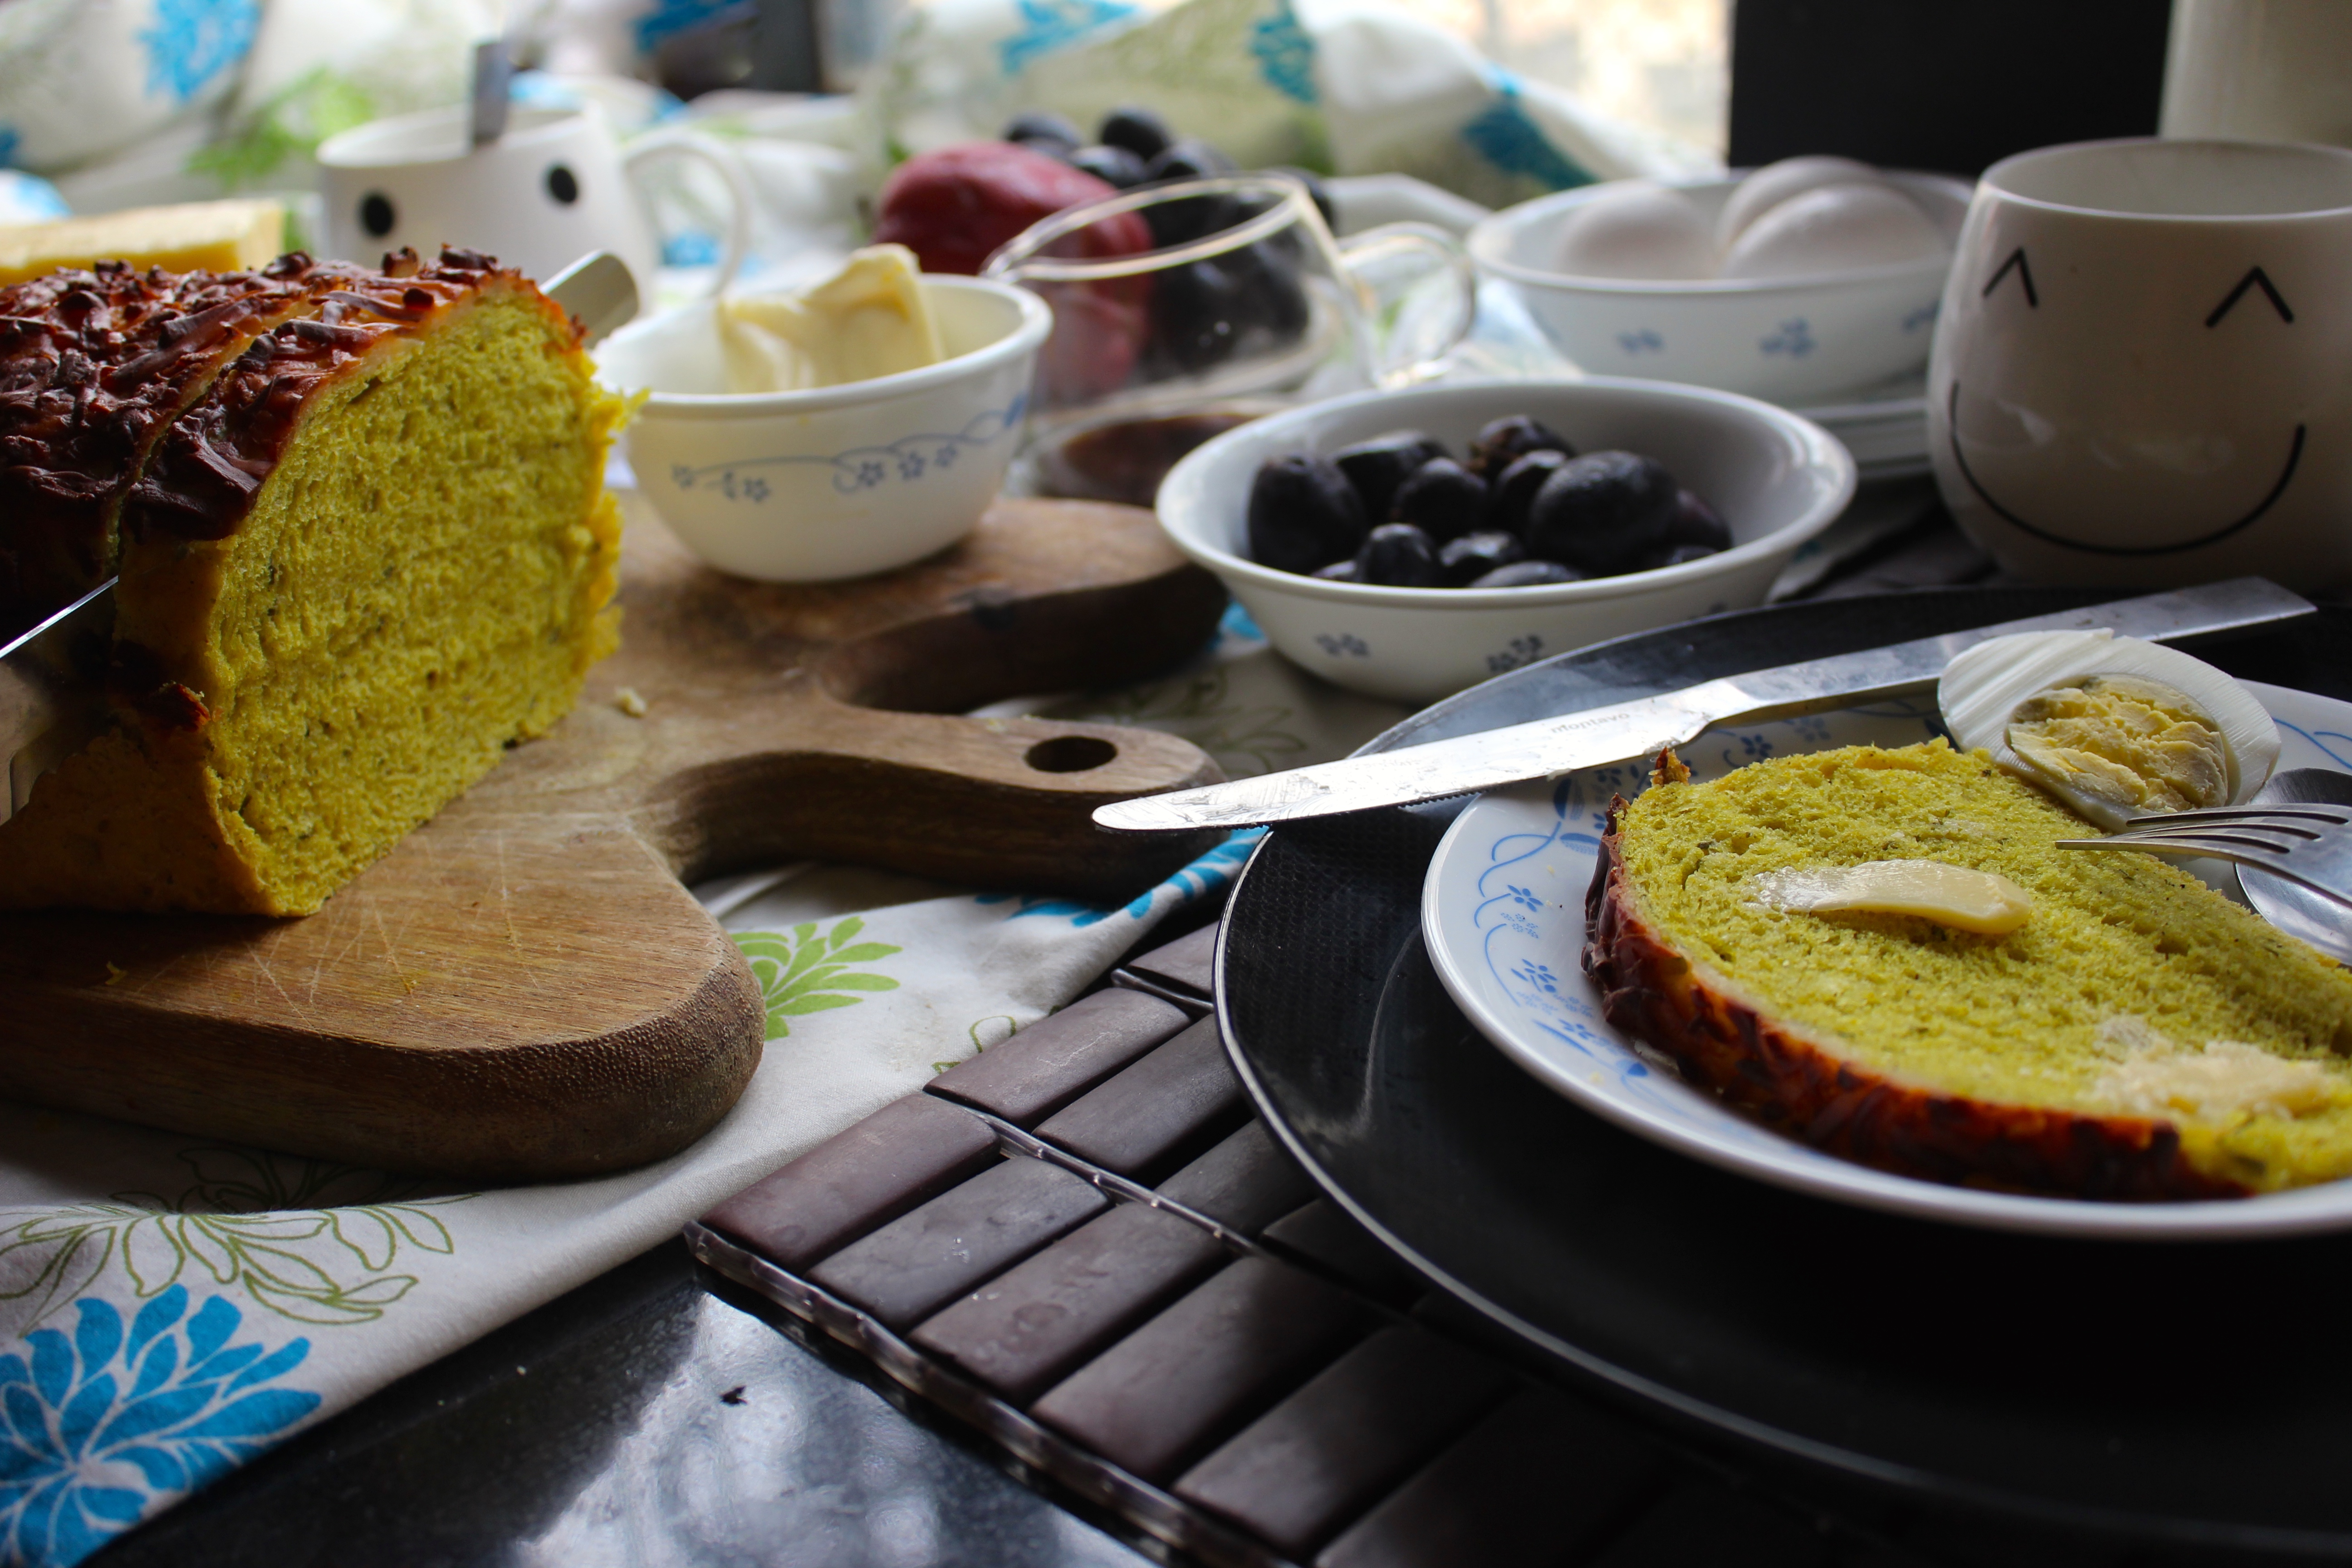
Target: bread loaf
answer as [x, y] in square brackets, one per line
[363, 546]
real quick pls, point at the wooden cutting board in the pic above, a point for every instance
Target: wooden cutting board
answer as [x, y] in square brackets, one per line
[523, 989]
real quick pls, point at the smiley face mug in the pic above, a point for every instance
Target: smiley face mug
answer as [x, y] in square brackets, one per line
[2142, 368]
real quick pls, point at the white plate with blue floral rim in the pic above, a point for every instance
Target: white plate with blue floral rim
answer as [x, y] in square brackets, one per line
[1503, 911]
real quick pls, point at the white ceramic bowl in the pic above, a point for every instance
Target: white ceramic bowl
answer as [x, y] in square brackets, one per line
[1785, 338]
[1776, 478]
[840, 481]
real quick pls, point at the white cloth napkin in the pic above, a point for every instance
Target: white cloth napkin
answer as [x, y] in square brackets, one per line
[170, 1308]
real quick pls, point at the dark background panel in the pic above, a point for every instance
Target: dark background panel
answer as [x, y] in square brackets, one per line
[1952, 85]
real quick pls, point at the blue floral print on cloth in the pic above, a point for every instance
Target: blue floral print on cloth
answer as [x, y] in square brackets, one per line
[98, 1423]
[1048, 25]
[1508, 139]
[1341, 86]
[1284, 53]
[190, 42]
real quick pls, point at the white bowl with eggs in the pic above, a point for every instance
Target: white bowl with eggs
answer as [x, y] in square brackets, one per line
[1776, 478]
[834, 481]
[1814, 325]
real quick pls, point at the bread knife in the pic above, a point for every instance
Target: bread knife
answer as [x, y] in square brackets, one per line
[1546, 747]
[51, 675]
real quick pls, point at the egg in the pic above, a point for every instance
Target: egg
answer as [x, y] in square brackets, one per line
[1834, 228]
[1638, 229]
[1773, 184]
[2114, 727]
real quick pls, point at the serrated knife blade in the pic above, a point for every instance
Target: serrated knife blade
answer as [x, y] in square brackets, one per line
[1547, 747]
[51, 674]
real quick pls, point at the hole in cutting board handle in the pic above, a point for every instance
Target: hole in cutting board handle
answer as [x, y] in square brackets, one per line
[1070, 754]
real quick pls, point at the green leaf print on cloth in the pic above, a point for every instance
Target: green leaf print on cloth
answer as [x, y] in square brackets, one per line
[306, 1239]
[801, 971]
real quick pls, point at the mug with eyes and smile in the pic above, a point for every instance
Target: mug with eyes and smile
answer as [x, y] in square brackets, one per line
[2142, 370]
[555, 186]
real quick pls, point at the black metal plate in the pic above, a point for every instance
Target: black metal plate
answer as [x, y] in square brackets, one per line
[2189, 1393]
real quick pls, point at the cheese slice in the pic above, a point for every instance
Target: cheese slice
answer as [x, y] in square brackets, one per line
[869, 319]
[221, 237]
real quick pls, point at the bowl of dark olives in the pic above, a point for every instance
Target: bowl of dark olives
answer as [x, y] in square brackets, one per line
[1408, 544]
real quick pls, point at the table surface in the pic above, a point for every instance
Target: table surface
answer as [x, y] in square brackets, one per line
[658, 1415]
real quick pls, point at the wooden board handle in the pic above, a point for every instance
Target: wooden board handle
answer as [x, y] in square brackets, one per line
[992, 802]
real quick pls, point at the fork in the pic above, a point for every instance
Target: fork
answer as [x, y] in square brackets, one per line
[2309, 844]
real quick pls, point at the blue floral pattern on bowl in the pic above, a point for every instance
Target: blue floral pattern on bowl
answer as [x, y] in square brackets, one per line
[905, 461]
[1794, 339]
[1503, 913]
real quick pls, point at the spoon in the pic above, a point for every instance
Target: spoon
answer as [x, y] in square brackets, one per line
[2298, 911]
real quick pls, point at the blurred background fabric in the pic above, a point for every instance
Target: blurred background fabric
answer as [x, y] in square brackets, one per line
[107, 104]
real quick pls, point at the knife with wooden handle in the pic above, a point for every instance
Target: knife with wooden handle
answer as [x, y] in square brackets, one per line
[51, 675]
[1547, 747]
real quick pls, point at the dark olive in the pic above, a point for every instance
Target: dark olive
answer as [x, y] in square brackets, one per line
[1338, 571]
[1189, 159]
[1198, 313]
[1114, 166]
[1315, 192]
[1187, 218]
[1681, 554]
[1139, 131]
[1465, 560]
[1267, 292]
[1696, 523]
[1398, 555]
[1190, 219]
[1045, 131]
[1376, 467]
[1515, 492]
[1602, 512]
[1502, 442]
[1444, 498]
[1303, 513]
[1524, 574]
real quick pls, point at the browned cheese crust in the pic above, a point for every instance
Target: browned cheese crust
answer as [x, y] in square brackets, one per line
[1799, 1086]
[187, 384]
[93, 365]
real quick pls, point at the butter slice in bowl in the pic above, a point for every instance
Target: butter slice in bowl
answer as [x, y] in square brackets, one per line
[848, 427]
[869, 319]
